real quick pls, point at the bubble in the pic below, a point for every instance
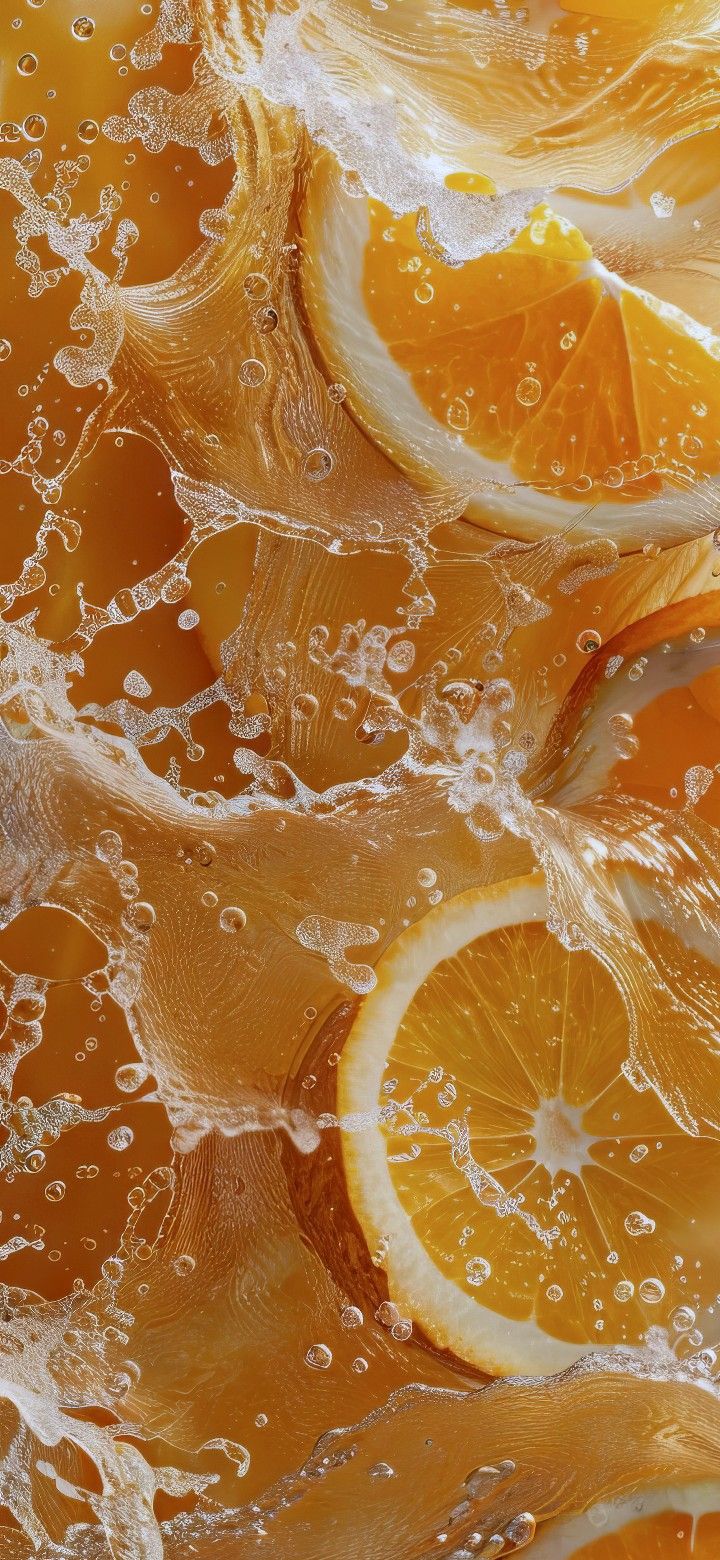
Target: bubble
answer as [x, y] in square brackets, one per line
[113, 1270]
[381, 1470]
[204, 853]
[624, 1291]
[304, 707]
[651, 1290]
[232, 919]
[120, 1138]
[554, 1292]
[662, 205]
[83, 28]
[252, 373]
[359, 1365]
[184, 1265]
[477, 1270]
[188, 619]
[402, 1330]
[27, 64]
[529, 391]
[427, 877]
[266, 320]
[88, 131]
[588, 641]
[6, 349]
[690, 445]
[317, 465]
[35, 1161]
[387, 1313]
[136, 685]
[256, 286]
[683, 1319]
[568, 340]
[319, 1356]
[34, 127]
[522, 1529]
[108, 846]
[351, 1316]
[336, 392]
[118, 51]
[637, 1223]
[638, 1153]
[55, 1191]
[424, 292]
[142, 915]
[458, 414]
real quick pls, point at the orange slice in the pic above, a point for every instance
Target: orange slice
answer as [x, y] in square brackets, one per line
[660, 676]
[526, 1203]
[666, 1523]
[535, 369]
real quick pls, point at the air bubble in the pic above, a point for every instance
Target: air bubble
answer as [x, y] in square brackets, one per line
[232, 919]
[131, 1077]
[554, 1292]
[266, 320]
[529, 391]
[426, 877]
[34, 127]
[142, 915]
[252, 373]
[637, 1223]
[120, 1138]
[319, 1356]
[55, 1191]
[351, 1316]
[6, 349]
[317, 465]
[188, 619]
[651, 1290]
[424, 292]
[184, 1265]
[477, 1270]
[27, 64]
[588, 641]
[256, 286]
[83, 28]
[88, 131]
[336, 392]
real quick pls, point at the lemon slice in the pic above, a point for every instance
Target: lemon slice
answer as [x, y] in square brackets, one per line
[666, 1523]
[526, 1203]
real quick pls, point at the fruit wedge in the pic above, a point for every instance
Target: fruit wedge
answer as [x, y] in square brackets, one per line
[526, 1203]
[544, 388]
[665, 1523]
[659, 676]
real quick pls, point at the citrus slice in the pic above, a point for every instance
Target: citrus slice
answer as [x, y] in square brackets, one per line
[658, 676]
[526, 1203]
[665, 1523]
[536, 368]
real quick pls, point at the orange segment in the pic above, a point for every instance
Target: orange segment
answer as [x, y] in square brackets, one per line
[671, 1523]
[661, 675]
[527, 1203]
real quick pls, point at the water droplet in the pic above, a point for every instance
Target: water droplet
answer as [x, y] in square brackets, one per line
[232, 919]
[35, 1161]
[318, 1356]
[426, 877]
[266, 320]
[252, 373]
[588, 641]
[458, 414]
[83, 28]
[184, 1265]
[351, 1316]
[381, 1470]
[34, 127]
[317, 465]
[304, 707]
[637, 1223]
[131, 1076]
[120, 1138]
[477, 1270]
[529, 391]
[142, 915]
[337, 392]
[256, 286]
[27, 64]
[402, 1330]
[651, 1290]
[88, 131]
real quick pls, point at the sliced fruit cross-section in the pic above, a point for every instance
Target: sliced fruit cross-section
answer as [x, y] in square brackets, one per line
[525, 1202]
